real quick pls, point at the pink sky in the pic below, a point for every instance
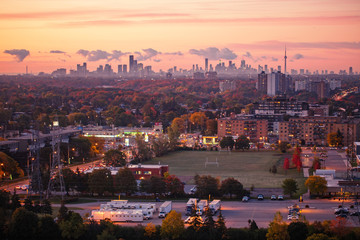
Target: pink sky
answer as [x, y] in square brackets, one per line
[45, 35]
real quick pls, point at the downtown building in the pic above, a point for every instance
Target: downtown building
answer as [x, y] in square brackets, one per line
[314, 130]
[275, 83]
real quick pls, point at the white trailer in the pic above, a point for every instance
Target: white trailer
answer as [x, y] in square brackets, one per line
[201, 207]
[190, 204]
[164, 209]
[214, 206]
[118, 215]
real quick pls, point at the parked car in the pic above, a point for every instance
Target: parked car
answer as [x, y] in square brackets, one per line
[355, 214]
[341, 215]
[341, 211]
[280, 197]
[189, 219]
[260, 197]
[245, 199]
[273, 197]
[293, 217]
[24, 187]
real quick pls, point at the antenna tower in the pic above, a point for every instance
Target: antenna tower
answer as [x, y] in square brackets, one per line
[56, 181]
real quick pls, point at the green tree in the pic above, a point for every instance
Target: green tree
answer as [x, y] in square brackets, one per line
[220, 225]
[277, 229]
[172, 226]
[231, 186]
[316, 184]
[227, 142]
[143, 152]
[9, 167]
[297, 230]
[115, 158]
[63, 213]
[289, 186]
[48, 229]
[15, 201]
[46, 208]
[173, 135]
[69, 179]
[283, 146]
[100, 181]
[73, 227]
[319, 236]
[157, 185]
[23, 225]
[206, 185]
[160, 145]
[242, 143]
[125, 181]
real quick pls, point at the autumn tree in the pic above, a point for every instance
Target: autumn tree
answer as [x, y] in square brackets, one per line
[150, 231]
[115, 158]
[174, 186]
[97, 145]
[9, 168]
[227, 142]
[198, 120]
[286, 164]
[173, 135]
[143, 152]
[206, 185]
[335, 139]
[172, 226]
[211, 127]
[178, 124]
[277, 229]
[316, 184]
[160, 145]
[283, 146]
[289, 186]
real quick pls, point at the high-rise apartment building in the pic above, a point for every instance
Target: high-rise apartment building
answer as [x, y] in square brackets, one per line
[131, 63]
[206, 65]
[261, 84]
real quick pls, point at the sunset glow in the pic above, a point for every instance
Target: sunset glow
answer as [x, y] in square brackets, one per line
[318, 34]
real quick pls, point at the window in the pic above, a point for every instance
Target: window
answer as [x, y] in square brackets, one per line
[147, 172]
[138, 172]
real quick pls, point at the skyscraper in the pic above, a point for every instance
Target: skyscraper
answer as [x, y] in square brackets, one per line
[206, 65]
[131, 63]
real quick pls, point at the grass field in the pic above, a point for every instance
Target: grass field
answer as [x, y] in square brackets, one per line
[250, 168]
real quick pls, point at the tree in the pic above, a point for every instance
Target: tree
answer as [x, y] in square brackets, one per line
[9, 168]
[316, 163]
[172, 226]
[286, 164]
[115, 158]
[46, 208]
[220, 225]
[227, 142]
[198, 120]
[143, 152]
[242, 143]
[150, 231]
[100, 181]
[174, 186]
[73, 227]
[69, 179]
[231, 186]
[23, 224]
[97, 145]
[48, 229]
[319, 236]
[316, 184]
[178, 124]
[173, 135]
[277, 229]
[63, 213]
[289, 186]
[157, 185]
[160, 145]
[283, 146]
[211, 127]
[125, 181]
[15, 201]
[206, 185]
[297, 230]
[335, 139]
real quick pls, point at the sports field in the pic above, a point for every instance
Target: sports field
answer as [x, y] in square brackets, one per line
[250, 168]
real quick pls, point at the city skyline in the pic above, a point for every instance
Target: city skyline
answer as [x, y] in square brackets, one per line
[317, 35]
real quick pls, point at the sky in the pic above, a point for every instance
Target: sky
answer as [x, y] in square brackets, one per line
[49, 34]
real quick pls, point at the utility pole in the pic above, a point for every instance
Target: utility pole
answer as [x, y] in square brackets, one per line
[35, 181]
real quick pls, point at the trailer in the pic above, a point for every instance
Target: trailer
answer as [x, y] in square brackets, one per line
[214, 206]
[201, 207]
[190, 205]
[164, 209]
[118, 215]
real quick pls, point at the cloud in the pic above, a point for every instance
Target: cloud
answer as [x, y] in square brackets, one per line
[157, 60]
[57, 51]
[174, 53]
[264, 57]
[97, 55]
[248, 55]
[214, 53]
[148, 54]
[83, 52]
[20, 54]
[298, 56]
[274, 59]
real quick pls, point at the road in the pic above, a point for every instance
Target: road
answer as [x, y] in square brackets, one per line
[238, 213]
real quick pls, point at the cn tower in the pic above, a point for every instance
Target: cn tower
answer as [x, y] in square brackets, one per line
[285, 57]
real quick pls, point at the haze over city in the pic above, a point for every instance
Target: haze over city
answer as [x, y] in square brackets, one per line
[46, 35]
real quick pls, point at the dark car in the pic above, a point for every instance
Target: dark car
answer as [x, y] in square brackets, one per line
[260, 197]
[341, 215]
[355, 214]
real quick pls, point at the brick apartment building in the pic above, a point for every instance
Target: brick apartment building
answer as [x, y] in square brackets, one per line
[255, 129]
[314, 130]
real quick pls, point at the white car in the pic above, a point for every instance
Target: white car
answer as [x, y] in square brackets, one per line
[245, 199]
[293, 217]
